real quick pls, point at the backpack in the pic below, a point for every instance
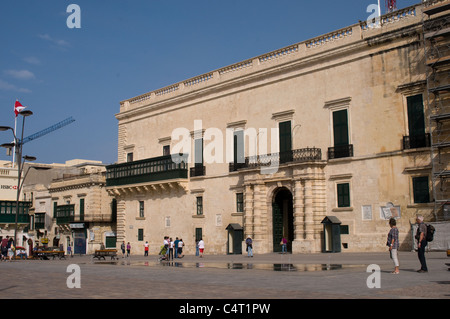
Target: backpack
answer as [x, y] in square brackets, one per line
[430, 232]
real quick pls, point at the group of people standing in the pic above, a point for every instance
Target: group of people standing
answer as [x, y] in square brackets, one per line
[174, 249]
[421, 237]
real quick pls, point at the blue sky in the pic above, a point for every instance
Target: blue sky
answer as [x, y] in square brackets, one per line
[127, 48]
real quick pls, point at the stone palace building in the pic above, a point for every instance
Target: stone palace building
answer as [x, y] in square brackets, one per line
[320, 142]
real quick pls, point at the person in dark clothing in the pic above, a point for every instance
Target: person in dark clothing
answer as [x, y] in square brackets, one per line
[421, 236]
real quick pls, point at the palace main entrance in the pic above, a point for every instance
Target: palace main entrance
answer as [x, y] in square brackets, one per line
[282, 218]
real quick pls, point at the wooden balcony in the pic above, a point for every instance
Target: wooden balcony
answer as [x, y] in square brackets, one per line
[8, 212]
[153, 174]
[148, 170]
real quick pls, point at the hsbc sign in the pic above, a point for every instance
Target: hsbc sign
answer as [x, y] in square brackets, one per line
[8, 187]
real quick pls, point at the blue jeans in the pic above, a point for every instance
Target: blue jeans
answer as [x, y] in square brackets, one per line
[249, 251]
[283, 248]
[421, 255]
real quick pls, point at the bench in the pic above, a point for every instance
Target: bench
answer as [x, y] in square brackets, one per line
[44, 254]
[103, 253]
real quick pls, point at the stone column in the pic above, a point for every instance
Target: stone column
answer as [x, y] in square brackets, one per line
[258, 198]
[248, 211]
[309, 211]
[121, 221]
[260, 219]
[299, 213]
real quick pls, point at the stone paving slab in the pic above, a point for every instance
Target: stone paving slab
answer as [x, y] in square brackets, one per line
[263, 277]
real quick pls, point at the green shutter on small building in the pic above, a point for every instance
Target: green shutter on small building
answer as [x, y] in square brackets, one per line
[81, 209]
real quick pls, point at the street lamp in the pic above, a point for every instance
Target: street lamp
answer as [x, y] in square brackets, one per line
[17, 145]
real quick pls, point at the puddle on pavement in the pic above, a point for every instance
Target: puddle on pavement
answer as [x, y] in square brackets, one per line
[257, 266]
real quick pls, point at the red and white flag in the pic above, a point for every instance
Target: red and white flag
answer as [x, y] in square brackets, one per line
[18, 108]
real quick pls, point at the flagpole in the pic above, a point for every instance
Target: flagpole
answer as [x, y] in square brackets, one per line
[15, 130]
[379, 9]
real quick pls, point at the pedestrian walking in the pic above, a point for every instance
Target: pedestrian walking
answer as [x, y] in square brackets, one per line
[123, 249]
[4, 252]
[180, 248]
[175, 247]
[11, 249]
[283, 245]
[166, 247]
[197, 253]
[128, 249]
[393, 244]
[201, 247]
[146, 249]
[249, 248]
[171, 248]
[421, 237]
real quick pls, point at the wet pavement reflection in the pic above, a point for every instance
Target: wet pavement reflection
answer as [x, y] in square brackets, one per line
[231, 265]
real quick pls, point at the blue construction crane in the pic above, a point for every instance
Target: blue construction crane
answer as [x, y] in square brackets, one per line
[48, 130]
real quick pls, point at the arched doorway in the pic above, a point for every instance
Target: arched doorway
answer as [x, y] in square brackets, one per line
[283, 218]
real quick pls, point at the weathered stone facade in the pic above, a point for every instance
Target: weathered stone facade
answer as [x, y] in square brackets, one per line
[357, 80]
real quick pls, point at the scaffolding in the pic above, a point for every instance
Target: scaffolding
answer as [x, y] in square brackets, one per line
[436, 36]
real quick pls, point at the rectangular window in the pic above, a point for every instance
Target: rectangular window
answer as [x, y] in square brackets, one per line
[416, 121]
[240, 202]
[198, 152]
[421, 189]
[416, 117]
[129, 157]
[199, 205]
[238, 143]
[343, 195]
[55, 207]
[344, 229]
[198, 234]
[166, 150]
[140, 234]
[285, 137]
[340, 128]
[141, 209]
[81, 209]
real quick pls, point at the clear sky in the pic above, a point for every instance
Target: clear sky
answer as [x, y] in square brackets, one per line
[127, 48]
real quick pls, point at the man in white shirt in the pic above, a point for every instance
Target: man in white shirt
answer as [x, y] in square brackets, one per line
[201, 247]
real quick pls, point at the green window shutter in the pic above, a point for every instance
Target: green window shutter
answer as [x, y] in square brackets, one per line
[343, 195]
[198, 234]
[416, 117]
[285, 136]
[81, 209]
[238, 147]
[199, 205]
[340, 128]
[421, 189]
[198, 144]
[140, 234]
[141, 209]
[240, 202]
[55, 208]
